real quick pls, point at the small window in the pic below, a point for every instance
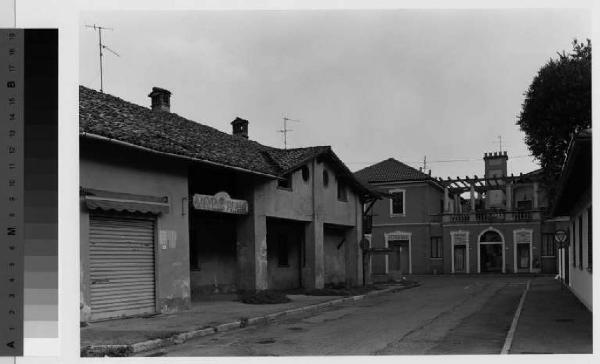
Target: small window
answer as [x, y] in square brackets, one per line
[548, 246]
[325, 178]
[525, 205]
[305, 173]
[397, 203]
[342, 193]
[285, 182]
[282, 251]
[436, 247]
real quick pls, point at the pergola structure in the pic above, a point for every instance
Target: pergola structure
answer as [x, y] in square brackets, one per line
[457, 186]
[482, 184]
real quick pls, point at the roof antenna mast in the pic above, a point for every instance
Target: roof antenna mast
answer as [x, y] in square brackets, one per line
[101, 46]
[285, 130]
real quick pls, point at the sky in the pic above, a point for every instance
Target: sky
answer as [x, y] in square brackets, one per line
[373, 84]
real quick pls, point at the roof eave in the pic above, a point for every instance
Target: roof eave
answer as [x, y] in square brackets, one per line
[178, 156]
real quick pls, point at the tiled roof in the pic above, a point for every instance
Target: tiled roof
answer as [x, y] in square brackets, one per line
[110, 117]
[290, 158]
[390, 170]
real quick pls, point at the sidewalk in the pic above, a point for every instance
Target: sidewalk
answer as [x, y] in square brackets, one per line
[127, 336]
[552, 321]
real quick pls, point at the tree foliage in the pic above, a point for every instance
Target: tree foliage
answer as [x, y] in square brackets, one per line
[557, 103]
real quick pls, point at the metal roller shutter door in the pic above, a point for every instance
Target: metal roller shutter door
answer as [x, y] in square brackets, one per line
[121, 266]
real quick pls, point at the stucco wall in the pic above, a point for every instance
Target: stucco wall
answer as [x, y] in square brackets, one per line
[117, 169]
[580, 277]
[214, 269]
[315, 204]
[506, 231]
[421, 201]
[297, 203]
[284, 276]
[335, 259]
[420, 248]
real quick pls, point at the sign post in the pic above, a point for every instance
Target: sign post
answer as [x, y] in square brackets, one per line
[560, 238]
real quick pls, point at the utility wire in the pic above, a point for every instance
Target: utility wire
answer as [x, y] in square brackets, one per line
[440, 161]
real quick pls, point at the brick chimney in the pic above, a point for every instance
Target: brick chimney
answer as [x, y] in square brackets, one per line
[161, 99]
[239, 127]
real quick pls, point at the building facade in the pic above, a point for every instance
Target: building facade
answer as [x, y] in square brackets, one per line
[491, 224]
[574, 200]
[172, 209]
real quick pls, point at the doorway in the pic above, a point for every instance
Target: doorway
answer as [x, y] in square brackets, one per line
[491, 252]
[399, 261]
[490, 258]
[460, 259]
[523, 256]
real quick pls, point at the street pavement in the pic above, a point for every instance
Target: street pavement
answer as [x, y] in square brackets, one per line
[445, 315]
[553, 320]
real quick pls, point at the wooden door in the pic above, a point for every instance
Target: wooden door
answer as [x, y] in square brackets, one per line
[460, 259]
[523, 256]
[400, 257]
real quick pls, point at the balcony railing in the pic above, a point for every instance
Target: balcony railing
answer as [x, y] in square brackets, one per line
[459, 217]
[522, 215]
[492, 216]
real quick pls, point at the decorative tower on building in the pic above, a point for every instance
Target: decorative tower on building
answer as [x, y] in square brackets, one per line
[495, 167]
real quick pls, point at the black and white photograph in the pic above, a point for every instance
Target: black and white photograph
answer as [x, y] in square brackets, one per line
[335, 182]
[221, 181]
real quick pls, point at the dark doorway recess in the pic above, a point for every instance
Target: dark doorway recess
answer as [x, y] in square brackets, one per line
[491, 258]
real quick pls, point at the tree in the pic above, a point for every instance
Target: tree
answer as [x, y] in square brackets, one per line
[557, 104]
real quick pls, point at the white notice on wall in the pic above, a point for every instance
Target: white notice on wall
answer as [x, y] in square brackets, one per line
[167, 239]
[162, 239]
[172, 236]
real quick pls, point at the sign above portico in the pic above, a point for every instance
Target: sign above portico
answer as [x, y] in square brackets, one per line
[220, 202]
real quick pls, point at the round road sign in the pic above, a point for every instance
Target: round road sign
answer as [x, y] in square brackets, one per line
[560, 236]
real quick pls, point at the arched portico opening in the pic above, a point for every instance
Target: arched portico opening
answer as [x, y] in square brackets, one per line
[490, 252]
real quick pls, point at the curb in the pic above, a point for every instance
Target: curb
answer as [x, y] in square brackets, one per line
[130, 349]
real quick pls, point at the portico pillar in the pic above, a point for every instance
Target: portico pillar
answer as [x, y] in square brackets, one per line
[313, 274]
[353, 253]
[535, 195]
[252, 244]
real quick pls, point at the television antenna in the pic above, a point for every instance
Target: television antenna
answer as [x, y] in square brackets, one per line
[102, 46]
[285, 130]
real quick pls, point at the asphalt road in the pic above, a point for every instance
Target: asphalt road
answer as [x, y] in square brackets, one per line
[445, 315]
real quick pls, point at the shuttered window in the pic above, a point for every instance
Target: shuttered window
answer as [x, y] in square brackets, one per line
[548, 246]
[397, 202]
[436, 247]
[580, 242]
[589, 241]
[121, 254]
